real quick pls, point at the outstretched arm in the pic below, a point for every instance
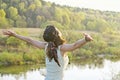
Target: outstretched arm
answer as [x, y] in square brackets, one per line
[77, 44]
[35, 43]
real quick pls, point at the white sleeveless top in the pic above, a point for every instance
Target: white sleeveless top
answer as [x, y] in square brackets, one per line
[54, 72]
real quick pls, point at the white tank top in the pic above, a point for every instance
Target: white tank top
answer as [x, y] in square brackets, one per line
[53, 66]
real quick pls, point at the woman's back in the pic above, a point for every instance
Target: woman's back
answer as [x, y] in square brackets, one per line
[55, 72]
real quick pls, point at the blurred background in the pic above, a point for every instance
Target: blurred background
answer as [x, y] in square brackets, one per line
[99, 18]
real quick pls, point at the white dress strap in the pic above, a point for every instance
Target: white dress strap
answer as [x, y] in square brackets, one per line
[46, 47]
[59, 52]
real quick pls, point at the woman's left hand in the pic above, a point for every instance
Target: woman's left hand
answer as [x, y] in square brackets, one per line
[88, 37]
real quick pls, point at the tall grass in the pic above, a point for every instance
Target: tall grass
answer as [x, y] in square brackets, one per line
[17, 58]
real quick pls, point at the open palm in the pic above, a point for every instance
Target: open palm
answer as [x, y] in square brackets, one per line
[8, 32]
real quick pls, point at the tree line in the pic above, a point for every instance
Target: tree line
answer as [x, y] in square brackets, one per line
[38, 13]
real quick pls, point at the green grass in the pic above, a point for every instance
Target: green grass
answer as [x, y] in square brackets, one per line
[16, 58]
[18, 69]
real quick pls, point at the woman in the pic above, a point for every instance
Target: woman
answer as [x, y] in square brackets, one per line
[55, 50]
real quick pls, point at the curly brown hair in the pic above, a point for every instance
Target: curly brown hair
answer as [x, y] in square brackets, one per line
[52, 36]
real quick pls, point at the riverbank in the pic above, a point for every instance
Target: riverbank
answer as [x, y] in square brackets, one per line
[86, 69]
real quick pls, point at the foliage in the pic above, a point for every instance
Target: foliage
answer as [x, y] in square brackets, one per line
[37, 13]
[10, 58]
[18, 58]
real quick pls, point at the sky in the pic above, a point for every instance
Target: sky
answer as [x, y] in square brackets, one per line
[103, 5]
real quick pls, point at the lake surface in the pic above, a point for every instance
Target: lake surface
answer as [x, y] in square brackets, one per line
[101, 69]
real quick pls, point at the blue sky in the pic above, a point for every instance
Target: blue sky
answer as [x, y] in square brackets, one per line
[103, 5]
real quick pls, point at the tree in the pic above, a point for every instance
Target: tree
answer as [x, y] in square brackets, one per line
[39, 20]
[12, 13]
[3, 20]
[2, 13]
[3, 23]
[20, 22]
[65, 17]
[22, 8]
[58, 14]
[76, 21]
[91, 25]
[3, 6]
[32, 7]
[29, 22]
[0, 4]
[102, 25]
[38, 3]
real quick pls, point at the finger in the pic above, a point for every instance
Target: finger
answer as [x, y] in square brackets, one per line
[84, 34]
[4, 32]
[9, 31]
[91, 38]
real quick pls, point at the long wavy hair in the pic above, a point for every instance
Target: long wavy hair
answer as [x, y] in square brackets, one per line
[53, 36]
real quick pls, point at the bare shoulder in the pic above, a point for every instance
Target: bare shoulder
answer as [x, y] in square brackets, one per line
[66, 47]
[39, 44]
[43, 44]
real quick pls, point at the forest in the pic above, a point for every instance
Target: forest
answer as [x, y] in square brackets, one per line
[34, 15]
[37, 13]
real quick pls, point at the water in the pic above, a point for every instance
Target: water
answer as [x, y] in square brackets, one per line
[77, 70]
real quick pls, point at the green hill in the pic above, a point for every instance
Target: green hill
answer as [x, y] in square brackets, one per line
[38, 13]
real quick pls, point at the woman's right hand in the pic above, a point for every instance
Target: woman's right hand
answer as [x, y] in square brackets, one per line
[9, 32]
